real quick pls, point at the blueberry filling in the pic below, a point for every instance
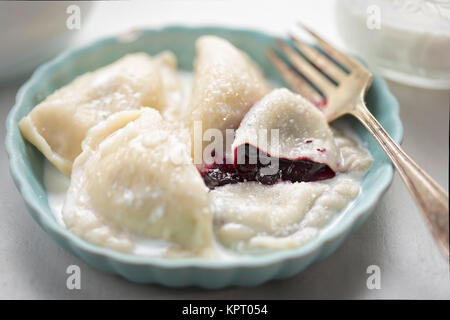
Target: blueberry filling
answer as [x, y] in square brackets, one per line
[252, 164]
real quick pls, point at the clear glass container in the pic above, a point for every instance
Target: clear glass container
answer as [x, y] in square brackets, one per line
[405, 40]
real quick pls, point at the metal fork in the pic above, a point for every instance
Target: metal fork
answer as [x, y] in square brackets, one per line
[337, 93]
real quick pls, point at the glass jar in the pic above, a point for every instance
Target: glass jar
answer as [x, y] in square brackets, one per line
[405, 40]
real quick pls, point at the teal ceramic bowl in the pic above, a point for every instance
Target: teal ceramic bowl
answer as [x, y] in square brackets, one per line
[26, 164]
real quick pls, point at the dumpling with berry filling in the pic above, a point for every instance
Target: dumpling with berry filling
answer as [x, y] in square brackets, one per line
[58, 125]
[283, 187]
[135, 178]
[285, 130]
[283, 137]
[226, 84]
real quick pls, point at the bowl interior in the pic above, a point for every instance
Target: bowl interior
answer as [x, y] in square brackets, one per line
[27, 161]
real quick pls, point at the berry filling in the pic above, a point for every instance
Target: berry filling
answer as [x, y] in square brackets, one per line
[252, 164]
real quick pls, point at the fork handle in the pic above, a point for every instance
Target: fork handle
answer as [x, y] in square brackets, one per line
[429, 196]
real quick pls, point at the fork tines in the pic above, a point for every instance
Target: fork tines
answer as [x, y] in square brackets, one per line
[312, 72]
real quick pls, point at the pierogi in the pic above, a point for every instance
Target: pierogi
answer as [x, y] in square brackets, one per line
[303, 132]
[135, 176]
[226, 84]
[128, 144]
[58, 125]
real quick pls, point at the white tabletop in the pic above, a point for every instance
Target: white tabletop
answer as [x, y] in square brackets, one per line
[394, 238]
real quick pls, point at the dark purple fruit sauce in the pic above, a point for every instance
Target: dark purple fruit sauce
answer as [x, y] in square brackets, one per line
[252, 164]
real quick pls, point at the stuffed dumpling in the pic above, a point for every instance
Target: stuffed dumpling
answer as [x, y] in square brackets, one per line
[283, 137]
[226, 84]
[58, 125]
[135, 176]
[300, 134]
